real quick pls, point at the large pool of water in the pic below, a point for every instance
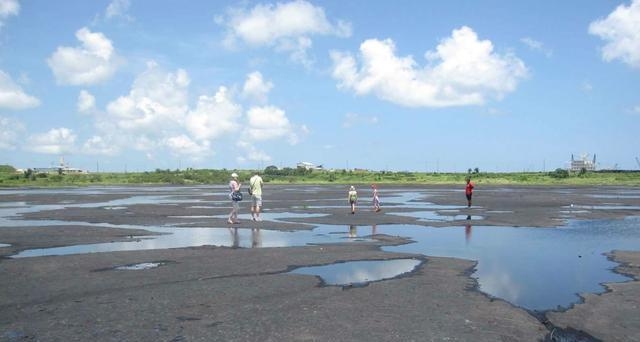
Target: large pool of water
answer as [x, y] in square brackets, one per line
[534, 268]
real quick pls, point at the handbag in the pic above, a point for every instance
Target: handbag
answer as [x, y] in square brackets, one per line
[236, 196]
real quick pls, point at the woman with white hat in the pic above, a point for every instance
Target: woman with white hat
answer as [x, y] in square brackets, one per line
[234, 187]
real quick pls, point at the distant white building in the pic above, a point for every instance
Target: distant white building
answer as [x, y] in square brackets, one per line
[308, 166]
[583, 163]
[63, 168]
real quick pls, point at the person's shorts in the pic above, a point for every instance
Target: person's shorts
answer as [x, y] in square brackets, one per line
[468, 197]
[256, 201]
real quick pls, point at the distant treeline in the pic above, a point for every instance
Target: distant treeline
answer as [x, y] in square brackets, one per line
[9, 177]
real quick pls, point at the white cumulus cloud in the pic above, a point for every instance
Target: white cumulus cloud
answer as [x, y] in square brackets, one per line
[93, 62]
[86, 102]
[158, 100]
[255, 87]
[97, 145]
[55, 141]
[214, 116]
[285, 26]
[462, 70]
[182, 145]
[11, 133]
[12, 96]
[621, 31]
[7, 9]
[269, 122]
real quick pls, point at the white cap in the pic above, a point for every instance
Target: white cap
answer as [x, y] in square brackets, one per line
[234, 175]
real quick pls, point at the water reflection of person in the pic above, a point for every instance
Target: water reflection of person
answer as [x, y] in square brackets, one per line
[235, 238]
[374, 229]
[353, 231]
[256, 238]
[467, 229]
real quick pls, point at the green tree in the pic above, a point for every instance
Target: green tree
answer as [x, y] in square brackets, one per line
[559, 173]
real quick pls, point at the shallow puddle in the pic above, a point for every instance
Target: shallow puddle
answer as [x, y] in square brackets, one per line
[434, 216]
[535, 268]
[357, 273]
[141, 266]
[191, 237]
[602, 207]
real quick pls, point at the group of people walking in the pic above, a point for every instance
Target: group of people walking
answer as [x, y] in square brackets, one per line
[255, 191]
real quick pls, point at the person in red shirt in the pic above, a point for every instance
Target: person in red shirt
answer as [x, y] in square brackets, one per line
[468, 191]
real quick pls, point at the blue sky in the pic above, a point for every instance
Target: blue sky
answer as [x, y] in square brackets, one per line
[381, 85]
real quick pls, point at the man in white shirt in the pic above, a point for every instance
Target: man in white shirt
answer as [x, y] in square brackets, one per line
[255, 186]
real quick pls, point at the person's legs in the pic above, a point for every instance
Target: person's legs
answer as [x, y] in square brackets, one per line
[236, 208]
[233, 209]
[258, 205]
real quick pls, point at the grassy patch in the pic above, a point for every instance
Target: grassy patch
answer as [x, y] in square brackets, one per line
[10, 178]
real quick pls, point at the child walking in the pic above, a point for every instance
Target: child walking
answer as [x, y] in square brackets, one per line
[376, 199]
